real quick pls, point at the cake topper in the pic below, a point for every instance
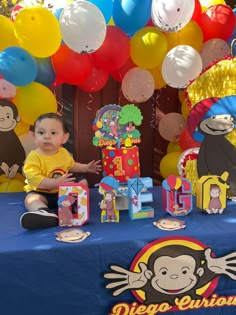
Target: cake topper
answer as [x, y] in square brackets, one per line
[115, 125]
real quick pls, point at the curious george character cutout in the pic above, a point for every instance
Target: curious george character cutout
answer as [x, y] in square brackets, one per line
[210, 122]
[12, 153]
[172, 273]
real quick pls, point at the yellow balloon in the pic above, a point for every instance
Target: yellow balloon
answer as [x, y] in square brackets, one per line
[174, 146]
[209, 3]
[33, 100]
[190, 35]
[158, 78]
[148, 47]
[99, 124]
[185, 109]
[7, 36]
[168, 164]
[178, 183]
[38, 31]
[12, 185]
[111, 21]
[21, 128]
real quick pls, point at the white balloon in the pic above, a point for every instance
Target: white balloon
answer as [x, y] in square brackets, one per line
[83, 26]
[212, 50]
[51, 5]
[7, 90]
[54, 5]
[181, 65]
[33, 3]
[171, 15]
[138, 85]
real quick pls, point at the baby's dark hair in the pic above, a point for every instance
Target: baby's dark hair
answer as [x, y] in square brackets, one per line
[52, 116]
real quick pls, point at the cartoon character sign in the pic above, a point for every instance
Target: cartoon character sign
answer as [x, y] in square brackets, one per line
[211, 193]
[107, 187]
[73, 235]
[176, 195]
[73, 204]
[115, 125]
[209, 121]
[170, 271]
[12, 153]
[169, 224]
[116, 133]
[108, 204]
[65, 213]
[215, 203]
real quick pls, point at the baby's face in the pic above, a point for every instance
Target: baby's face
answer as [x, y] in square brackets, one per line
[49, 135]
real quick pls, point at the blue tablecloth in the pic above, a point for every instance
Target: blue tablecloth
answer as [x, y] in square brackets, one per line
[39, 275]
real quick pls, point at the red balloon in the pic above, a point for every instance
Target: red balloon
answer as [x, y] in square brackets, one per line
[71, 67]
[96, 80]
[119, 74]
[171, 181]
[217, 21]
[186, 141]
[150, 23]
[57, 82]
[114, 51]
[16, 10]
[197, 11]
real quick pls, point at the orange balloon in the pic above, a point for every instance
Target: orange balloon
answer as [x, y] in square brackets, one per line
[190, 35]
[158, 78]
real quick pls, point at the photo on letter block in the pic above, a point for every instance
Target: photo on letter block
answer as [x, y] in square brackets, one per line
[73, 204]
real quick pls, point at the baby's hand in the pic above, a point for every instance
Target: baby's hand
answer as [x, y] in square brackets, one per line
[94, 167]
[66, 178]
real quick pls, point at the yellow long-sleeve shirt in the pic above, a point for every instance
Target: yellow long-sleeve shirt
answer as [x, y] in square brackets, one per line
[38, 166]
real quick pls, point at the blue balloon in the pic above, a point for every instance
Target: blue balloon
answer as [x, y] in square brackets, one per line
[46, 74]
[105, 6]
[131, 15]
[17, 66]
[58, 12]
[233, 47]
[232, 37]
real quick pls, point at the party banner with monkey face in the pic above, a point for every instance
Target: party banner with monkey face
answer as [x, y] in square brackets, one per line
[171, 274]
